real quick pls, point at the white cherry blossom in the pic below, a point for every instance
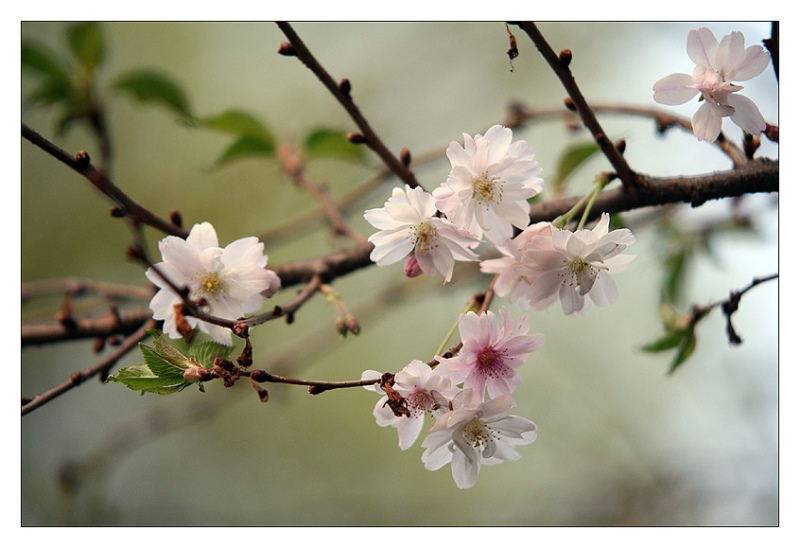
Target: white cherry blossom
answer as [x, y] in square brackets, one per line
[408, 225]
[578, 267]
[719, 65]
[233, 281]
[467, 438]
[489, 184]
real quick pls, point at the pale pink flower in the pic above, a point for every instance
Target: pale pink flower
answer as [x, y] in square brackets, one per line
[578, 266]
[490, 183]
[408, 225]
[491, 353]
[511, 280]
[718, 66]
[232, 281]
[467, 438]
[424, 390]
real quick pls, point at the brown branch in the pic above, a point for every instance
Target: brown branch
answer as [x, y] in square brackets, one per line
[112, 323]
[342, 94]
[82, 164]
[520, 114]
[293, 167]
[100, 368]
[758, 176]
[560, 65]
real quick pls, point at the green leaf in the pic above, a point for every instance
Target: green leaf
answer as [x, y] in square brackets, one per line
[153, 86]
[205, 353]
[667, 341]
[685, 350]
[140, 377]
[86, 44]
[570, 160]
[676, 268]
[239, 123]
[323, 142]
[245, 147]
[56, 85]
[41, 59]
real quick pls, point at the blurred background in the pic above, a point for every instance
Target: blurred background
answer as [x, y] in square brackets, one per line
[620, 441]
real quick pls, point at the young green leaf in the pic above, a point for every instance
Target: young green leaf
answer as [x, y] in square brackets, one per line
[667, 341]
[153, 86]
[245, 147]
[206, 352]
[56, 84]
[572, 158]
[238, 122]
[323, 142]
[140, 377]
[86, 44]
[685, 350]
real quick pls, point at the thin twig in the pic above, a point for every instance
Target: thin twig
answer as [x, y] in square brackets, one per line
[100, 368]
[82, 164]
[560, 65]
[371, 139]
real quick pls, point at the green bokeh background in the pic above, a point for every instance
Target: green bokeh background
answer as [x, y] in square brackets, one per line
[620, 442]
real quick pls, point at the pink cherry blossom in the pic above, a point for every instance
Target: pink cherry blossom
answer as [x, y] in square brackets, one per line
[718, 66]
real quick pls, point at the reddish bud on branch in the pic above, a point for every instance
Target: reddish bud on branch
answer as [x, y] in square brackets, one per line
[405, 156]
[287, 49]
[565, 57]
[82, 157]
[345, 86]
[176, 217]
[570, 104]
[356, 138]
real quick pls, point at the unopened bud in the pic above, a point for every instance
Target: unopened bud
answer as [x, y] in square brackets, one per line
[353, 326]
[772, 133]
[620, 146]
[356, 138]
[198, 374]
[570, 104]
[565, 57]
[412, 268]
[341, 327]
[82, 157]
[405, 156]
[287, 49]
[117, 212]
[176, 217]
[345, 86]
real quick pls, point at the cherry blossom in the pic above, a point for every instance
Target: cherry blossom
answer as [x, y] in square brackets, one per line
[424, 392]
[718, 66]
[489, 185]
[232, 281]
[408, 225]
[491, 353]
[578, 266]
[467, 438]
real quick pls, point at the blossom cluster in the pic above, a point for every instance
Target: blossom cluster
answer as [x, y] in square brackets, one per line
[486, 194]
[470, 430]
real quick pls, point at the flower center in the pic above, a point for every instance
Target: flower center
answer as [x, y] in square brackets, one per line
[419, 401]
[477, 433]
[487, 189]
[425, 236]
[491, 362]
[211, 284]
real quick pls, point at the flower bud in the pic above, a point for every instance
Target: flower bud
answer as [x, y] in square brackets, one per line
[287, 49]
[356, 138]
[565, 57]
[412, 268]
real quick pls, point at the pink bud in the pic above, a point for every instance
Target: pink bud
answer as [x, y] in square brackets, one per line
[411, 267]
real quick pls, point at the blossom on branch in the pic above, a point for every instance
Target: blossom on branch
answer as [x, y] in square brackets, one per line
[423, 390]
[489, 185]
[511, 278]
[408, 225]
[491, 353]
[718, 66]
[467, 438]
[577, 265]
[232, 281]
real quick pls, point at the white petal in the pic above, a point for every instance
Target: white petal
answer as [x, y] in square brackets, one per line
[674, 89]
[702, 47]
[746, 115]
[705, 124]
